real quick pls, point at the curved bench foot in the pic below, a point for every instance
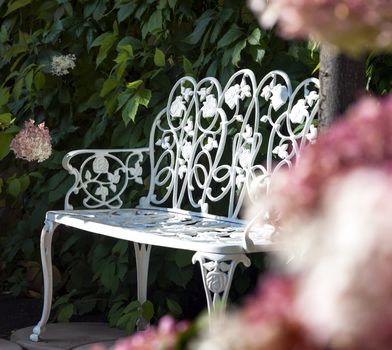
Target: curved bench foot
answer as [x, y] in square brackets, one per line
[46, 258]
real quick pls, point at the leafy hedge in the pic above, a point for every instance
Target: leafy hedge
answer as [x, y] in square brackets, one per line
[128, 54]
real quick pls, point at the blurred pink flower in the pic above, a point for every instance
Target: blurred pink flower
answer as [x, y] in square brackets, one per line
[351, 25]
[32, 142]
[268, 321]
[162, 337]
[345, 297]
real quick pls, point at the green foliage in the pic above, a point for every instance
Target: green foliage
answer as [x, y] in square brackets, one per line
[128, 55]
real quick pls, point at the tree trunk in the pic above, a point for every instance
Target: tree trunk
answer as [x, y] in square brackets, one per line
[341, 80]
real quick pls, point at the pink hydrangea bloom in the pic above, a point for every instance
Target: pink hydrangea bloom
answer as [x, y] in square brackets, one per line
[162, 337]
[345, 296]
[32, 142]
[351, 25]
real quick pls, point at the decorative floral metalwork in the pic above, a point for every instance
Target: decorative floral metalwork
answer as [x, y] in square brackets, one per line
[217, 276]
[103, 176]
[190, 137]
[217, 271]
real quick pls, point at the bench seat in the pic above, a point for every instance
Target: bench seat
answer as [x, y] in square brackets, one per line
[168, 228]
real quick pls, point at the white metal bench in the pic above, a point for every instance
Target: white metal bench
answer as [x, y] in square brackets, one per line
[205, 149]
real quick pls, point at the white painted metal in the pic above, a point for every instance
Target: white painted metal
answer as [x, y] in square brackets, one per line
[206, 148]
[142, 254]
[217, 271]
[103, 176]
[46, 258]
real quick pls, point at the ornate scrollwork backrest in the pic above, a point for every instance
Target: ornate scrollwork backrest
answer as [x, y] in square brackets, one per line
[290, 130]
[209, 143]
[102, 176]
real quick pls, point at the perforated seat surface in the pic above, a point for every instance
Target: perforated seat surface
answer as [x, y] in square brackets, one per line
[167, 228]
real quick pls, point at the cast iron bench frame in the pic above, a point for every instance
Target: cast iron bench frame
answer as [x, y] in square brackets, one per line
[188, 143]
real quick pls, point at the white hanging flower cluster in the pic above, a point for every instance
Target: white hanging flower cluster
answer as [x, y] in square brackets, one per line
[61, 65]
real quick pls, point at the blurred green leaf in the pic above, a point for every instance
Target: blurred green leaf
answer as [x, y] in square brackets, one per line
[65, 312]
[159, 58]
[15, 5]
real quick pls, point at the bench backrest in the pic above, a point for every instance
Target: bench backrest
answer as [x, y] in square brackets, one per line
[210, 142]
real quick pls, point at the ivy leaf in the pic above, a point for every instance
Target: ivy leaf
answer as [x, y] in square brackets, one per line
[147, 310]
[187, 65]
[130, 110]
[5, 140]
[236, 55]
[172, 3]
[231, 35]
[174, 307]
[122, 99]
[14, 187]
[39, 80]
[134, 84]
[132, 306]
[256, 52]
[108, 86]
[4, 96]
[66, 312]
[51, 35]
[128, 321]
[108, 276]
[5, 120]
[100, 9]
[154, 23]
[125, 10]
[18, 89]
[254, 37]
[105, 41]
[201, 25]
[159, 58]
[143, 96]
[29, 80]
[15, 5]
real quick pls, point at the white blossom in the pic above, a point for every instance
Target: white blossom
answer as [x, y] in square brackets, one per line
[61, 65]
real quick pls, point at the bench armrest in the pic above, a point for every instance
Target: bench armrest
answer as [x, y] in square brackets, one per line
[102, 175]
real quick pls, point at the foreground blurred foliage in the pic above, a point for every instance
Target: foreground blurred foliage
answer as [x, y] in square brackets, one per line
[128, 54]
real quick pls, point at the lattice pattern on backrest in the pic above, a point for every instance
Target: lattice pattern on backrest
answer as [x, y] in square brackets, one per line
[209, 143]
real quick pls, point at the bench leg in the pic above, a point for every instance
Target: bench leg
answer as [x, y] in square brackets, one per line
[46, 258]
[217, 271]
[142, 253]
